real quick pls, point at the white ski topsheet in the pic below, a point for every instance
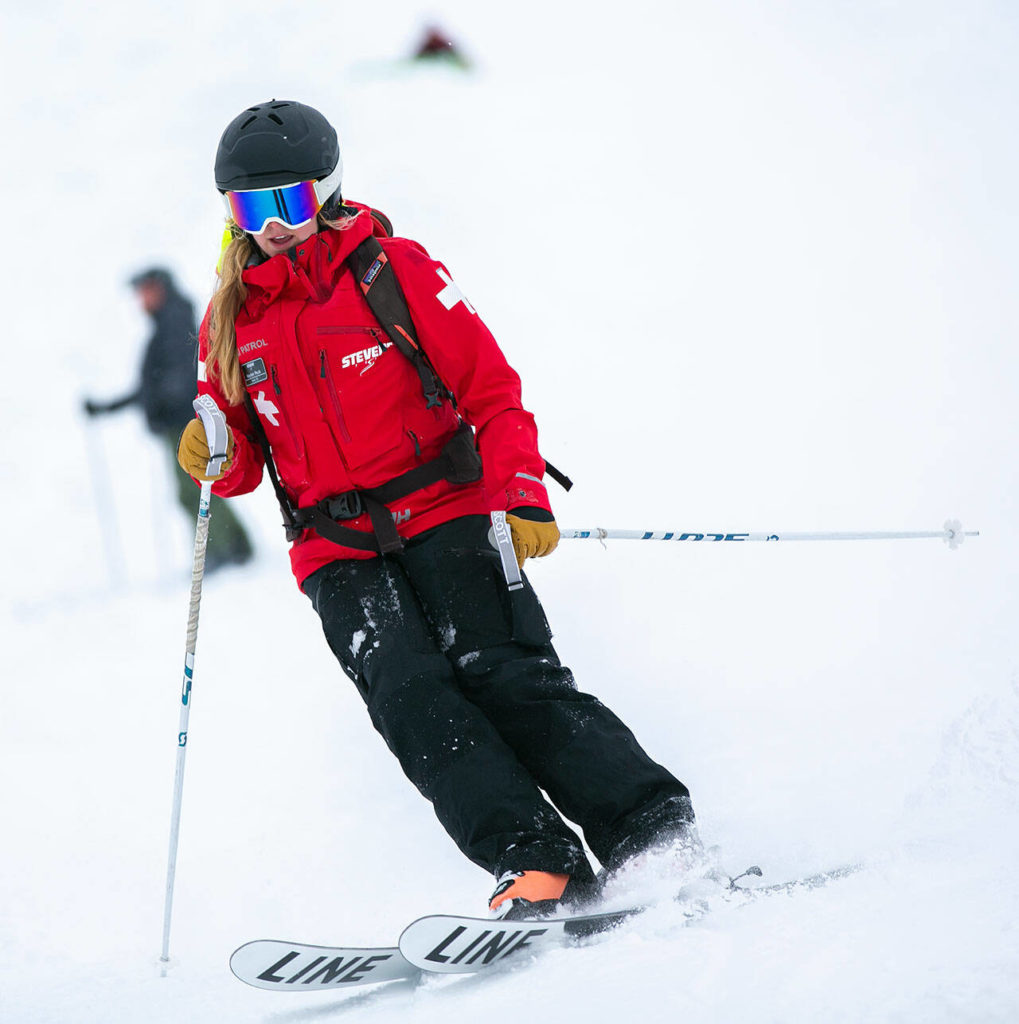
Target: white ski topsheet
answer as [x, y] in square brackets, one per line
[281, 966]
[448, 944]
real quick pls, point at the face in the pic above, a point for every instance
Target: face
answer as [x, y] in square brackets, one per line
[277, 237]
[151, 295]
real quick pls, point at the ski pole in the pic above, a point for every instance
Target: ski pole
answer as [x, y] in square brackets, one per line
[105, 509]
[952, 534]
[216, 435]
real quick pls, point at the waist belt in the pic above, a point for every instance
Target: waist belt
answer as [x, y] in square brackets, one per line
[457, 463]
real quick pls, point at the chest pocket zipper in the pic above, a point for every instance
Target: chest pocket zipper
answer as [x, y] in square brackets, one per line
[294, 438]
[326, 375]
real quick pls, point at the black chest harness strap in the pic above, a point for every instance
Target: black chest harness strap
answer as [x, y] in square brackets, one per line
[457, 463]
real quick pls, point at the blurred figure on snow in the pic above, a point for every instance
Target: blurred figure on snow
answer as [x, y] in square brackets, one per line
[165, 392]
[351, 368]
[435, 45]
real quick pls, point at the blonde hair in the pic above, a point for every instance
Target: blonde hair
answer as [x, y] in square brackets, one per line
[223, 362]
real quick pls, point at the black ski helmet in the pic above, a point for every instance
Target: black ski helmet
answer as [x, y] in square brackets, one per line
[277, 143]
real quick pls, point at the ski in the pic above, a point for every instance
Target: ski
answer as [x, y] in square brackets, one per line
[454, 944]
[298, 967]
[450, 944]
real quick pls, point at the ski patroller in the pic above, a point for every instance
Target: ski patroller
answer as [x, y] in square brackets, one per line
[453, 944]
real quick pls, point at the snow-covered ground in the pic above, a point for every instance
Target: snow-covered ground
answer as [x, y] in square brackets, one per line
[755, 264]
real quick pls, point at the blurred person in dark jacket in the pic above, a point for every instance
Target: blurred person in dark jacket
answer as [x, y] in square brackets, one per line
[165, 391]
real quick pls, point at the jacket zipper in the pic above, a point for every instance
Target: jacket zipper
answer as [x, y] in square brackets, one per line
[323, 362]
[373, 331]
[294, 439]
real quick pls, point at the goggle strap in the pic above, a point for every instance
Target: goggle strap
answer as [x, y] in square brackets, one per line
[326, 186]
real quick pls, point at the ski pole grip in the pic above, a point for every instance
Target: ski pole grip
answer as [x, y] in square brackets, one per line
[502, 541]
[216, 433]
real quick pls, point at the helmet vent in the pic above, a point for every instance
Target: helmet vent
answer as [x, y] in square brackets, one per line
[247, 122]
[276, 118]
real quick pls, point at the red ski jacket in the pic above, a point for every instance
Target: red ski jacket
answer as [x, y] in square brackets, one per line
[344, 409]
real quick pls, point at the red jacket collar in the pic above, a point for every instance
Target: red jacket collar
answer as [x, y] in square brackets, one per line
[308, 267]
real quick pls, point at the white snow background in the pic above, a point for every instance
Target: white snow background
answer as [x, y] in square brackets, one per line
[755, 263]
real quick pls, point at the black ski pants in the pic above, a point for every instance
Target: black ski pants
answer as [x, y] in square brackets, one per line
[461, 679]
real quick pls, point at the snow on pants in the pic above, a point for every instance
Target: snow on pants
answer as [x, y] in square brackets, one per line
[461, 679]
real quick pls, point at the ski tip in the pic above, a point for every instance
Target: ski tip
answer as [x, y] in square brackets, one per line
[279, 966]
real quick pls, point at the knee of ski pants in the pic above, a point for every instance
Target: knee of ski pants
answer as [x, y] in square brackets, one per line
[428, 726]
[376, 628]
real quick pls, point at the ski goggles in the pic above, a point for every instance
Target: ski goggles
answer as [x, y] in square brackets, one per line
[291, 205]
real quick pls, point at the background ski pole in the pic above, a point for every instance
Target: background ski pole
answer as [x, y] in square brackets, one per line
[952, 534]
[105, 508]
[216, 435]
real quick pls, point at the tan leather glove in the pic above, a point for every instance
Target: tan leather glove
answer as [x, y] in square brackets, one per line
[193, 452]
[532, 539]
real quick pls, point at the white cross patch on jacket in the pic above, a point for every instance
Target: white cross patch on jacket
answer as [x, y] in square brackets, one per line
[266, 408]
[451, 294]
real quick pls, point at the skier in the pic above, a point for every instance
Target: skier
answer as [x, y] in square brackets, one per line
[435, 46]
[164, 391]
[371, 447]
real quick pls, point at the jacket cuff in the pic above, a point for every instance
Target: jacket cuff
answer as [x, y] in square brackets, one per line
[525, 491]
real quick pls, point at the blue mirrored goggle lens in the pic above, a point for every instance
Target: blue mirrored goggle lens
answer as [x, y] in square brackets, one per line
[292, 205]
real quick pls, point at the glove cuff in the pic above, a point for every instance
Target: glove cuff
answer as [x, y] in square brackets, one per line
[532, 513]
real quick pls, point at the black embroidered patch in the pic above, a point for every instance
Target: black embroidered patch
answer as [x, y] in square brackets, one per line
[254, 372]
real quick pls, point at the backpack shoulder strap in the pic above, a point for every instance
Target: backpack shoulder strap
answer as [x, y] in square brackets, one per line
[382, 291]
[377, 281]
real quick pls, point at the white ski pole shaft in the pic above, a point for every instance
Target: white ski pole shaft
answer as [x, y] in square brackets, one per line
[952, 534]
[216, 435]
[105, 508]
